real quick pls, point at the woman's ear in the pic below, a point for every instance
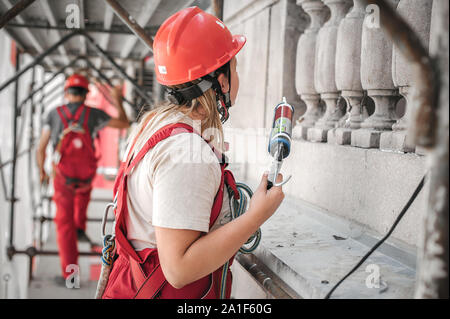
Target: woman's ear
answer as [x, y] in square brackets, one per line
[223, 81]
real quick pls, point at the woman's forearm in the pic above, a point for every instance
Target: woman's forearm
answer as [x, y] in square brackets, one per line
[211, 251]
[186, 256]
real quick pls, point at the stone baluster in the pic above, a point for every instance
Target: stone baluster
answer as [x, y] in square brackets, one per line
[376, 78]
[417, 13]
[348, 69]
[304, 73]
[324, 70]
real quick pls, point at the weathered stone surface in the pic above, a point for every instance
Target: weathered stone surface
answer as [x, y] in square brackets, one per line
[238, 11]
[376, 59]
[340, 136]
[417, 13]
[248, 112]
[348, 49]
[396, 141]
[306, 47]
[366, 138]
[324, 72]
[348, 72]
[363, 185]
[324, 79]
[304, 78]
[287, 23]
[311, 259]
[316, 134]
[310, 117]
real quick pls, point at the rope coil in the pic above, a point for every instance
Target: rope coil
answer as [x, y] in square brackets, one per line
[239, 207]
[108, 249]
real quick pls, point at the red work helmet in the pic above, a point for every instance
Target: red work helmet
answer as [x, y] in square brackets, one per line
[76, 80]
[191, 44]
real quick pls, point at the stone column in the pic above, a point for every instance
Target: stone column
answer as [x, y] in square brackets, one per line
[376, 78]
[304, 73]
[348, 70]
[417, 13]
[324, 70]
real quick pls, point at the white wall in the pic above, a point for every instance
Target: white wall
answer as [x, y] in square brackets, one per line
[17, 269]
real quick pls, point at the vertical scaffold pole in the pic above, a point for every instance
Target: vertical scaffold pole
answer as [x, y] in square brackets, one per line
[12, 198]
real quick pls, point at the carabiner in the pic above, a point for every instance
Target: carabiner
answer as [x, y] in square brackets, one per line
[112, 205]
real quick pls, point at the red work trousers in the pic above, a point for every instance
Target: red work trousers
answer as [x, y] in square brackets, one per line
[71, 214]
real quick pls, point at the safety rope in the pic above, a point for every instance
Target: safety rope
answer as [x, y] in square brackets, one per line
[109, 245]
[239, 207]
[108, 249]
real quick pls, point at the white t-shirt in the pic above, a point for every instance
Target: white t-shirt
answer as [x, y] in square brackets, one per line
[173, 186]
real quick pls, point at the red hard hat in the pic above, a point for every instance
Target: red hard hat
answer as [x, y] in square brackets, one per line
[191, 44]
[77, 80]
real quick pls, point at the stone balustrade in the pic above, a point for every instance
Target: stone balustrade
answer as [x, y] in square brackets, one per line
[347, 74]
[418, 14]
[324, 70]
[350, 57]
[306, 52]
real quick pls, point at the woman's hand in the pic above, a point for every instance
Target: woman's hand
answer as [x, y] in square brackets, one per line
[265, 202]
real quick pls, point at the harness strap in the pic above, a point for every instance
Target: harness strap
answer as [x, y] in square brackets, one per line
[70, 117]
[147, 287]
[74, 117]
[86, 118]
[63, 119]
[161, 134]
[67, 112]
[166, 131]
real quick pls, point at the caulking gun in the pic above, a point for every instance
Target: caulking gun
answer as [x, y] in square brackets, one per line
[280, 140]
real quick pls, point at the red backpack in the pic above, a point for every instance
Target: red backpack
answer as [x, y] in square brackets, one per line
[75, 154]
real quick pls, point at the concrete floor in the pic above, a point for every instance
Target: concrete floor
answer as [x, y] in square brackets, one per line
[46, 268]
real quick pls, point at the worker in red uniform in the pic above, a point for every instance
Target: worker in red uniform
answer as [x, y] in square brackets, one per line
[175, 234]
[72, 129]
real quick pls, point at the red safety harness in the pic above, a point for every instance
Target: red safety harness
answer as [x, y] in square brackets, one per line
[76, 160]
[143, 267]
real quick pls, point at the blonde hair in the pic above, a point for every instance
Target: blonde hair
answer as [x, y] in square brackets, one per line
[210, 124]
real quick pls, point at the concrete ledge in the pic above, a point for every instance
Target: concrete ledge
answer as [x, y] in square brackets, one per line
[366, 138]
[340, 136]
[311, 250]
[396, 141]
[317, 134]
[300, 132]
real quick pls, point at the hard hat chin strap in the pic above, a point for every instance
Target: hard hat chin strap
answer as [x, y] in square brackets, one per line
[186, 95]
